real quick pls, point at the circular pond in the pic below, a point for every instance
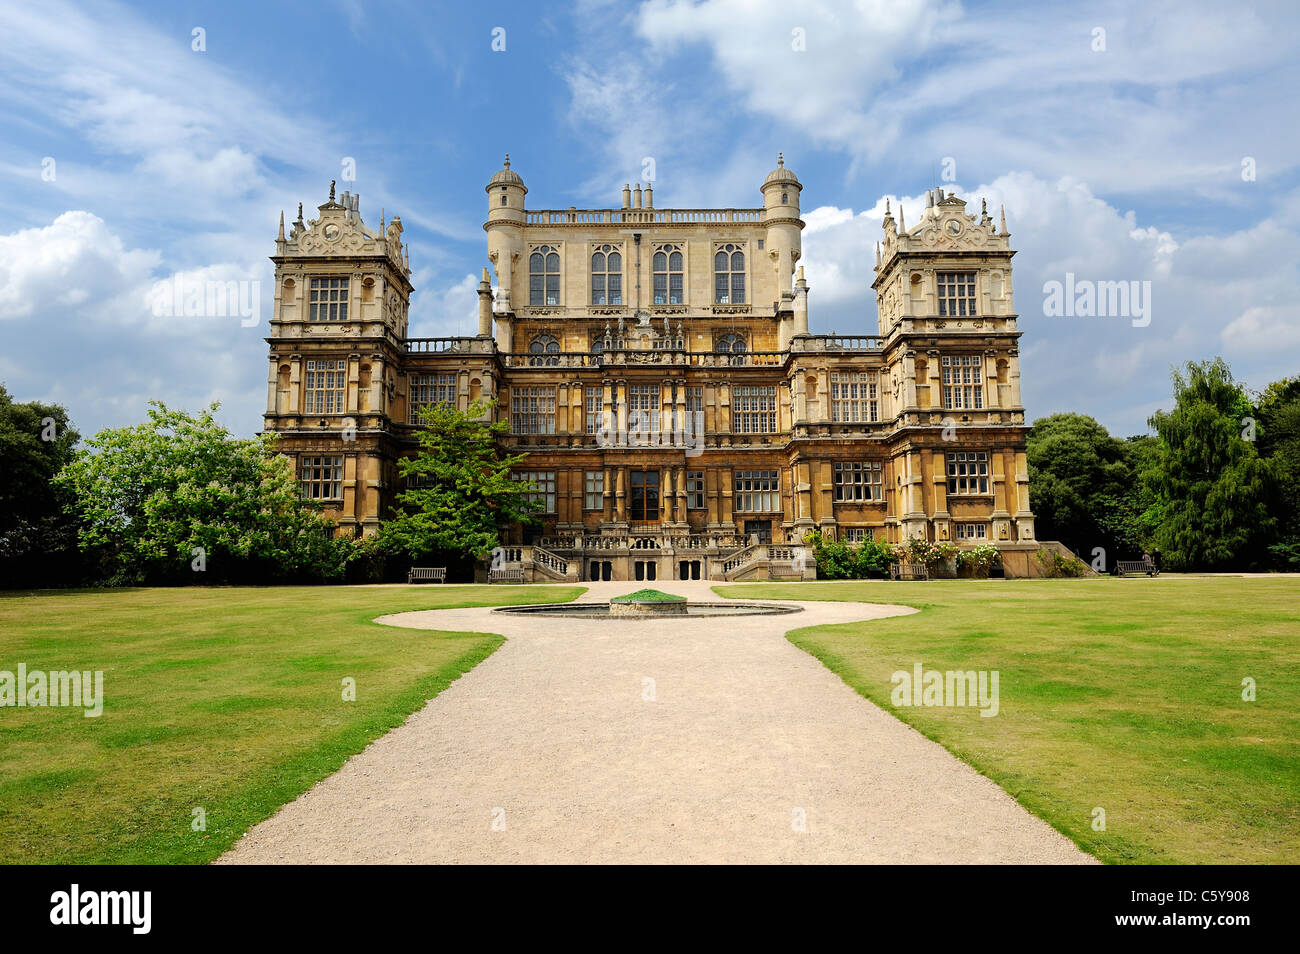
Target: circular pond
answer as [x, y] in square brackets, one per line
[603, 611]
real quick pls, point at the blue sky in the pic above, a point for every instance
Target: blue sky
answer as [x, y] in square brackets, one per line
[1118, 160]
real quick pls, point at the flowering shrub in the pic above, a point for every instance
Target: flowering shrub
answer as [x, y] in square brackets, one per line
[921, 550]
[979, 559]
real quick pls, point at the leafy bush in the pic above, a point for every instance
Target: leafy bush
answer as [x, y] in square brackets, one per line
[1053, 564]
[837, 560]
[649, 596]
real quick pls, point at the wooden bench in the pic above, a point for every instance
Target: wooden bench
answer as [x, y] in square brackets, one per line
[511, 575]
[1123, 567]
[432, 574]
[910, 571]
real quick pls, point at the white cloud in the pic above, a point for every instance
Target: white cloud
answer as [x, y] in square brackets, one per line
[71, 263]
[438, 312]
[997, 86]
[1264, 329]
[79, 329]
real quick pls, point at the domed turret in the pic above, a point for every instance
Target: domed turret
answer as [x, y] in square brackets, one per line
[781, 173]
[506, 191]
[505, 229]
[507, 176]
[781, 191]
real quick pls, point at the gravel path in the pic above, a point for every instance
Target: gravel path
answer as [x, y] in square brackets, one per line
[557, 749]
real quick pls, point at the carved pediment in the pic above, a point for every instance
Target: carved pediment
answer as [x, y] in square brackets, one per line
[339, 230]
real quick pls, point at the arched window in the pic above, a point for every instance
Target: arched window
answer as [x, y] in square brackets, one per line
[607, 276]
[729, 275]
[544, 276]
[668, 275]
[544, 350]
[730, 344]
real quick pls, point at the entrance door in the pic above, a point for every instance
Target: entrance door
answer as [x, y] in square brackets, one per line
[643, 507]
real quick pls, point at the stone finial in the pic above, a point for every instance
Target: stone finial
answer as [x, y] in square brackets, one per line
[1002, 213]
[888, 213]
[299, 222]
[780, 160]
[485, 275]
[280, 236]
[902, 226]
[507, 160]
[984, 206]
[331, 190]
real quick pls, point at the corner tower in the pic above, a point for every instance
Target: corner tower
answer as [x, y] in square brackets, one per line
[505, 230]
[342, 292]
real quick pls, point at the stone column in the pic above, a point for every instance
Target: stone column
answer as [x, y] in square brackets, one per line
[352, 396]
[724, 410]
[726, 488]
[295, 384]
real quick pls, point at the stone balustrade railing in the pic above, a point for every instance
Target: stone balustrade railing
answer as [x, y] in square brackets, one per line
[741, 558]
[608, 359]
[640, 216]
[643, 541]
[460, 345]
[552, 561]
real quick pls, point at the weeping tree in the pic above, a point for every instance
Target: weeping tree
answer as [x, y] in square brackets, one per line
[1216, 496]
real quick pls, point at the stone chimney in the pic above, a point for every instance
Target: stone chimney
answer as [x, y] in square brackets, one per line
[485, 306]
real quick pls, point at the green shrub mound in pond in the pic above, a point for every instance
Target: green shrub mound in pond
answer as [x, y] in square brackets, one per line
[649, 596]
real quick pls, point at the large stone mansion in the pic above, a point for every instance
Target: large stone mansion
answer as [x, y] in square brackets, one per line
[656, 365]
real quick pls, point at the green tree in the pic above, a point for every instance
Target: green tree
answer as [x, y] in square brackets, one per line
[1081, 485]
[1278, 439]
[38, 538]
[1216, 496]
[1141, 509]
[178, 499]
[459, 491]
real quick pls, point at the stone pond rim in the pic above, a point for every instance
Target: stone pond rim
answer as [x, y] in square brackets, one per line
[649, 604]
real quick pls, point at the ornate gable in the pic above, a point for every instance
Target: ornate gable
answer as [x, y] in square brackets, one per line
[339, 230]
[944, 227]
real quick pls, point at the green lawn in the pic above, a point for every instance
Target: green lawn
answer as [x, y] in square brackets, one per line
[229, 700]
[1124, 695]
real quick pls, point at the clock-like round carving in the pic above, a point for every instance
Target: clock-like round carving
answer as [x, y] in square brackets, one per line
[332, 232]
